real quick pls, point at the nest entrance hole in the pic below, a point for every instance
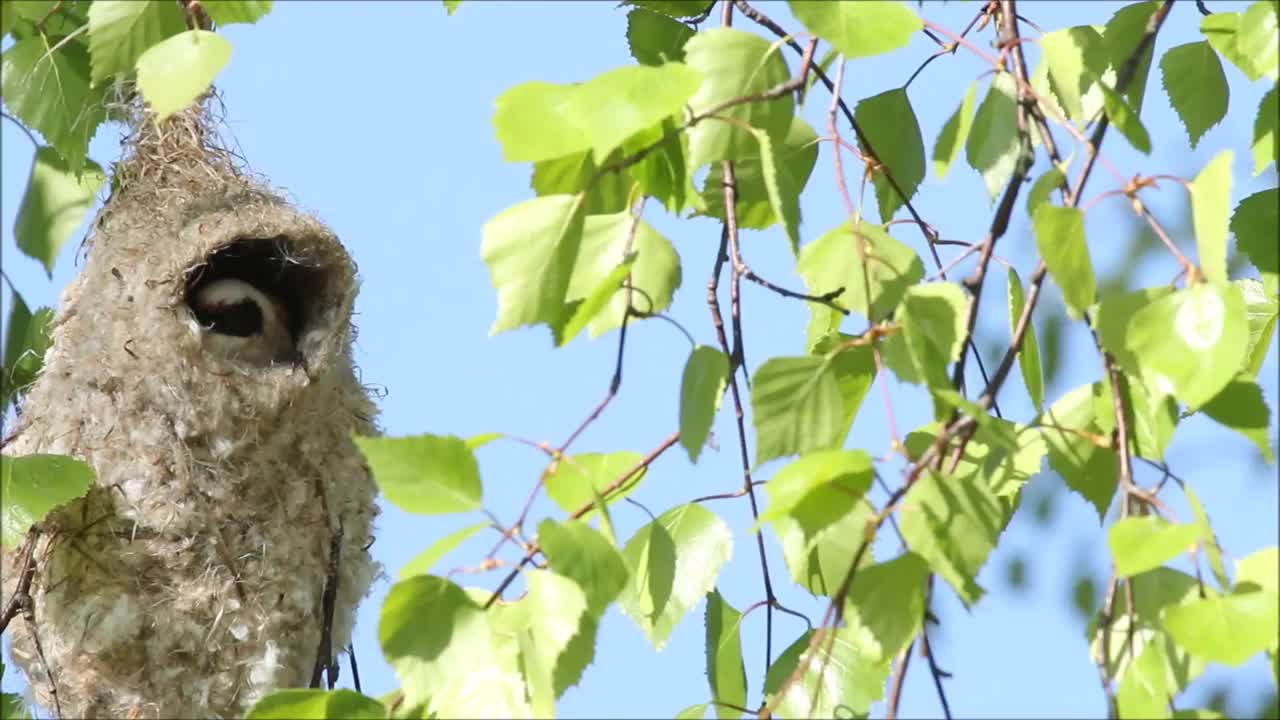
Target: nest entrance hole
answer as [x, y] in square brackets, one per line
[274, 267]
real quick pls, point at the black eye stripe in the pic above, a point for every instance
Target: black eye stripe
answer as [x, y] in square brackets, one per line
[240, 319]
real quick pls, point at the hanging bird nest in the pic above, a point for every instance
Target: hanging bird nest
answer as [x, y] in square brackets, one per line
[224, 547]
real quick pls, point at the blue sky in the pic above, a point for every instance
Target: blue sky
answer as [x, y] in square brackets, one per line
[376, 116]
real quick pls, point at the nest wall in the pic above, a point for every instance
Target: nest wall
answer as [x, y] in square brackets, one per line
[189, 581]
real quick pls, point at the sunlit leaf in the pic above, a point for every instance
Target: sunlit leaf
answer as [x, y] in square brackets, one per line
[1254, 224]
[848, 679]
[706, 373]
[1266, 128]
[33, 485]
[858, 29]
[955, 133]
[891, 130]
[54, 205]
[580, 553]
[1029, 352]
[120, 31]
[796, 407]
[226, 12]
[425, 560]
[302, 704]
[992, 147]
[655, 38]
[726, 673]
[655, 272]
[1241, 406]
[530, 249]
[424, 474]
[1060, 238]
[1196, 87]
[571, 480]
[952, 522]
[1139, 544]
[176, 71]
[1228, 629]
[1210, 206]
[50, 93]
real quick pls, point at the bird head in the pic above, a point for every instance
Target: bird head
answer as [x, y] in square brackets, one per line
[241, 322]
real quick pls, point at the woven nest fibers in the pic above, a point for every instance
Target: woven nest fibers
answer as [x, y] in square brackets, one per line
[191, 579]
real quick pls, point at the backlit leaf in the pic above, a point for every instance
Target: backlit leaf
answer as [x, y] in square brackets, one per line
[424, 474]
[1196, 87]
[33, 485]
[1060, 238]
[120, 31]
[889, 124]
[706, 374]
[530, 249]
[726, 673]
[796, 407]
[992, 147]
[1210, 206]
[1139, 544]
[955, 133]
[174, 72]
[858, 29]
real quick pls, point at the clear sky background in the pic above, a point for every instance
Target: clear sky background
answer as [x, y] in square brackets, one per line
[376, 116]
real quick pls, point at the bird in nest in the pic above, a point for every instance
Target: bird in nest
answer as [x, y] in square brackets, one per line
[242, 323]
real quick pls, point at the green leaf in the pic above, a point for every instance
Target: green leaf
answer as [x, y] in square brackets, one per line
[573, 479]
[844, 682]
[931, 321]
[572, 174]
[425, 560]
[858, 29]
[1266, 128]
[1076, 59]
[121, 31]
[435, 638]
[1144, 689]
[1208, 541]
[789, 166]
[1241, 407]
[661, 174]
[174, 72]
[874, 289]
[33, 485]
[1131, 632]
[1043, 186]
[1196, 87]
[1259, 571]
[1001, 454]
[580, 553]
[1125, 119]
[654, 38]
[1210, 205]
[1060, 238]
[223, 12]
[955, 133]
[1139, 544]
[540, 121]
[580, 311]
[26, 341]
[451, 6]
[952, 522]
[1262, 310]
[1190, 343]
[1228, 629]
[693, 712]
[530, 249]
[1120, 37]
[674, 562]
[1254, 224]
[818, 489]
[891, 130]
[50, 93]
[992, 147]
[54, 205]
[819, 563]
[796, 407]
[424, 474]
[555, 609]
[301, 704]
[1029, 353]
[735, 63]
[726, 672]
[1088, 469]
[671, 8]
[1246, 39]
[706, 373]
[888, 599]
[605, 242]
[855, 368]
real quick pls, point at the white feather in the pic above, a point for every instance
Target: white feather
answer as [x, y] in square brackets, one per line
[272, 344]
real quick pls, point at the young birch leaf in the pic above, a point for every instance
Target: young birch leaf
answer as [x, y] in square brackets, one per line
[1228, 629]
[54, 205]
[1208, 541]
[606, 194]
[1071, 432]
[888, 600]
[858, 29]
[735, 63]
[121, 31]
[955, 133]
[1190, 343]
[26, 342]
[1262, 309]
[1120, 37]
[1043, 187]
[832, 261]
[1258, 39]
[953, 522]
[530, 249]
[238, 11]
[855, 368]
[605, 241]
[1210, 206]
[932, 321]
[706, 373]
[425, 560]
[992, 146]
[1143, 690]
[784, 195]
[796, 406]
[674, 562]
[848, 680]
[51, 94]
[1139, 544]
[1259, 571]
[1197, 89]
[174, 72]
[424, 474]
[793, 163]
[671, 8]
[726, 672]
[1254, 224]
[33, 485]
[1076, 59]
[580, 311]
[661, 174]
[1125, 119]
[819, 563]
[304, 704]
[1241, 407]
[571, 480]
[693, 712]
[1060, 238]
[1266, 128]
[580, 553]
[818, 489]
[555, 609]
[655, 38]
[893, 134]
[1029, 353]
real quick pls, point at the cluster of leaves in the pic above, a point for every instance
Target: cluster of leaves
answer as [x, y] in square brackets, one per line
[706, 124]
